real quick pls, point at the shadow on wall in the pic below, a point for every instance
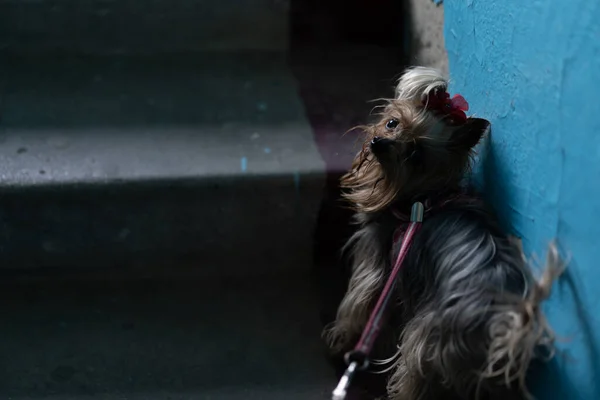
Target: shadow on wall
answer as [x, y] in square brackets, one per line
[547, 380]
[529, 73]
[487, 172]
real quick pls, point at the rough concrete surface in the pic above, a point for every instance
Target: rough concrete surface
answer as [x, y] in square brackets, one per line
[174, 338]
[531, 68]
[200, 167]
[90, 120]
[427, 31]
[121, 160]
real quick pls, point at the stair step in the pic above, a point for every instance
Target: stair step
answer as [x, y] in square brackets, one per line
[113, 119]
[130, 160]
[130, 27]
[184, 337]
[295, 392]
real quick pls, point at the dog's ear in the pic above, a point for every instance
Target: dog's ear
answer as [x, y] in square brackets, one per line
[470, 133]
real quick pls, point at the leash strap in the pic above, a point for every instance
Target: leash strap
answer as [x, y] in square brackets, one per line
[358, 359]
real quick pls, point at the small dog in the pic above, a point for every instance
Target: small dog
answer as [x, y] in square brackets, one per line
[467, 321]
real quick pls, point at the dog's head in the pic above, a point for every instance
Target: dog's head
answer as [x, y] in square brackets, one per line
[421, 144]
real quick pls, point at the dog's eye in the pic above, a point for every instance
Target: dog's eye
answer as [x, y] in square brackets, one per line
[391, 124]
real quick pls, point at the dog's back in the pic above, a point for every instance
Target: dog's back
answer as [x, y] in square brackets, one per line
[462, 298]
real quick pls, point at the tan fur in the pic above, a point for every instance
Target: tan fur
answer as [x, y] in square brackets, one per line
[367, 188]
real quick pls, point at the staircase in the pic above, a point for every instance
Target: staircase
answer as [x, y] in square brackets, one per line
[165, 169]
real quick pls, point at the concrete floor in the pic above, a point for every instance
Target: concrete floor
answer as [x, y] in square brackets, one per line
[161, 337]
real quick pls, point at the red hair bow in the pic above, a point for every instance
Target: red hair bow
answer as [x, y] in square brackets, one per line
[454, 107]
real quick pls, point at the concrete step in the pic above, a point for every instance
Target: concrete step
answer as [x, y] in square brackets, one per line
[161, 337]
[299, 392]
[123, 160]
[151, 27]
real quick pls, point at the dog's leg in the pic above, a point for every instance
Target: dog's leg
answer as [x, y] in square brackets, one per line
[368, 248]
[353, 312]
[415, 377]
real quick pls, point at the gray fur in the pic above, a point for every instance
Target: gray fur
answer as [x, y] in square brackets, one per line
[462, 294]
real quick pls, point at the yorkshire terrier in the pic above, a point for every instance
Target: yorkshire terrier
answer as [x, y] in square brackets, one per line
[467, 322]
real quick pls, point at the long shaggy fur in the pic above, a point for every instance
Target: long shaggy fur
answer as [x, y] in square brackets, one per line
[467, 320]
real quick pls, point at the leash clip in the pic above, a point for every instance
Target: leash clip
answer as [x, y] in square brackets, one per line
[339, 393]
[416, 212]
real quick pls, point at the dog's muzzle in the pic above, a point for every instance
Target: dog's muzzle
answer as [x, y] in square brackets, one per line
[379, 145]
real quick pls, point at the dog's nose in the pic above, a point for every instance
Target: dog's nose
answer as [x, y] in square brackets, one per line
[379, 143]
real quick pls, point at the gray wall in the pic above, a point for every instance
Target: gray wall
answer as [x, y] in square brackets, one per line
[427, 30]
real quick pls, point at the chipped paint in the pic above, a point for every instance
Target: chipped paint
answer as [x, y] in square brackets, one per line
[531, 68]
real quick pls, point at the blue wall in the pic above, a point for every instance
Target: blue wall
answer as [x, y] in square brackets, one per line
[533, 69]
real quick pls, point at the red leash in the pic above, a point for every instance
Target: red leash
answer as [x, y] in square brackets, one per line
[358, 359]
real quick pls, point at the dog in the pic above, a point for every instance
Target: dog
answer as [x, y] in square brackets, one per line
[467, 320]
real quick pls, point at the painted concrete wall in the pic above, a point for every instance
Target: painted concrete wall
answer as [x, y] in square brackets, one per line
[427, 34]
[532, 68]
